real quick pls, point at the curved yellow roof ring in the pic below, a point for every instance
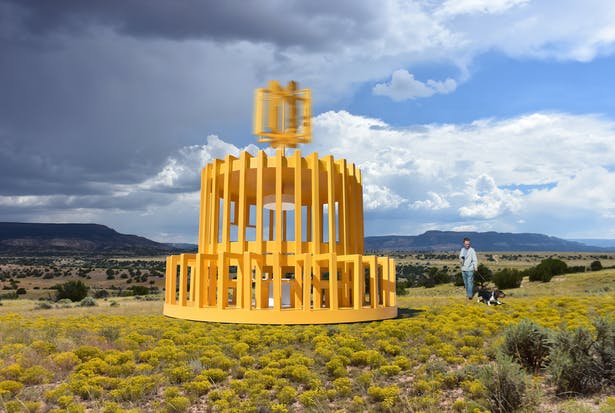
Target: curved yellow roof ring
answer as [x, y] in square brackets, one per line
[280, 238]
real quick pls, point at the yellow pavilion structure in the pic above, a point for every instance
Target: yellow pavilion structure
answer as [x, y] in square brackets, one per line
[280, 237]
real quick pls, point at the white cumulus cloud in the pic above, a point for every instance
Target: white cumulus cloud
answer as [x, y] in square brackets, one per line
[510, 173]
[487, 200]
[377, 197]
[404, 86]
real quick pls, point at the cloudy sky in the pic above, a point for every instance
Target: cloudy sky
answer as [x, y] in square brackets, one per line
[484, 115]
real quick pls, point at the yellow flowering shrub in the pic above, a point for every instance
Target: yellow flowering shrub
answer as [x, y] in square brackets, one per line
[9, 388]
[428, 361]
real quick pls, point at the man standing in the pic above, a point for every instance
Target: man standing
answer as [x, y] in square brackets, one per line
[469, 264]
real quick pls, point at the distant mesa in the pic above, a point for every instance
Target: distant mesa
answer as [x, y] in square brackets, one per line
[17, 238]
[482, 241]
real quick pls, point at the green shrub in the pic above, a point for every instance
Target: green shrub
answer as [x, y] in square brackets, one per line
[139, 290]
[605, 348]
[572, 366]
[581, 363]
[483, 276]
[101, 294]
[595, 266]
[506, 384]
[527, 343]
[74, 290]
[507, 278]
[547, 269]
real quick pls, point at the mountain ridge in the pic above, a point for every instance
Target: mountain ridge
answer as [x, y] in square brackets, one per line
[59, 239]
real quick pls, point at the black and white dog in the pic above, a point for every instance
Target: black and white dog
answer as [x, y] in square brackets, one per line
[490, 297]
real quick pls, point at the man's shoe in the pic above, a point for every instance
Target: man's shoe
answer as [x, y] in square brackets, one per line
[469, 298]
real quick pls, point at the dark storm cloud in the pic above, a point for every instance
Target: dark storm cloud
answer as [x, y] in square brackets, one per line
[103, 91]
[308, 24]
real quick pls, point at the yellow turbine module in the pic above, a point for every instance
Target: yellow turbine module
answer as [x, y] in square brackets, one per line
[280, 237]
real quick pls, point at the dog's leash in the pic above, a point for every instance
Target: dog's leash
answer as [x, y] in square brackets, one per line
[481, 277]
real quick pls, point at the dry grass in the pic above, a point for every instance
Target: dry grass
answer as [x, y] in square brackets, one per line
[127, 306]
[579, 284]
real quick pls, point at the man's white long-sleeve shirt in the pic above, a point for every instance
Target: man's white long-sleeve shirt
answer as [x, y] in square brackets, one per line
[470, 261]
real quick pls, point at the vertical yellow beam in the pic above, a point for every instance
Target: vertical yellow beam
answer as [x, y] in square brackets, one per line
[239, 284]
[392, 279]
[167, 280]
[202, 212]
[191, 295]
[198, 281]
[242, 206]
[260, 172]
[213, 282]
[226, 204]
[343, 208]
[317, 291]
[247, 281]
[345, 297]
[361, 233]
[352, 212]
[307, 281]
[258, 290]
[333, 289]
[205, 280]
[385, 287]
[215, 203]
[333, 292]
[170, 281]
[298, 284]
[183, 279]
[221, 293]
[298, 211]
[330, 166]
[316, 207]
[357, 285]
[279, 176]
[373, 274]
[206, 205]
